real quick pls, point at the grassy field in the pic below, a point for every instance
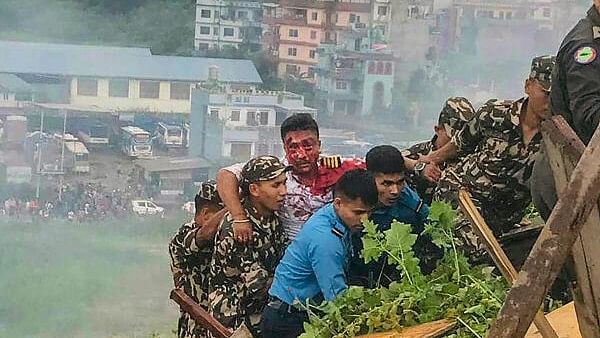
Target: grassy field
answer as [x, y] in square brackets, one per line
[61, 279]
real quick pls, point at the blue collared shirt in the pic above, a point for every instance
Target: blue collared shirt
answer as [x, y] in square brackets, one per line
[409, 209]
[315, 263]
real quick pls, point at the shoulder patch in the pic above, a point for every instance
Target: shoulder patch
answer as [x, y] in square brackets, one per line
[585, 55]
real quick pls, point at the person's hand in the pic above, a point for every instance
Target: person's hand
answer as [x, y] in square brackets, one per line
[432, 173]
[242, 232]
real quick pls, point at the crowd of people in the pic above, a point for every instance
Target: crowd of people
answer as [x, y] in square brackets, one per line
[274, 235]
[82, 202]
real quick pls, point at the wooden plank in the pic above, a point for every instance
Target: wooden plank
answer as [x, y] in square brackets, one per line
[498, 255]
[199, 314]
[552, 247]
[428, 330]
[564, 151]
[564, 320]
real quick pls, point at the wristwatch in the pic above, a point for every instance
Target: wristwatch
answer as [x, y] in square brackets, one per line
[419, 167]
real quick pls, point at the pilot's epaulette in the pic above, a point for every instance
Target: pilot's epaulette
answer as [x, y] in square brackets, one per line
[337, 232]
[331, 162]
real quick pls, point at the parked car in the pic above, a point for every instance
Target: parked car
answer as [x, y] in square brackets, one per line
[145, 207]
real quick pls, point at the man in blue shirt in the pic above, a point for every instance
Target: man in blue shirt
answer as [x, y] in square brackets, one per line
[314, 267]
[397, 201]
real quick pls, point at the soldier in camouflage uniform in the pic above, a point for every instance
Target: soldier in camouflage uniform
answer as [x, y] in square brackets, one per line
[241, 274]
[455, 113]
[190, 257]
[497, 149]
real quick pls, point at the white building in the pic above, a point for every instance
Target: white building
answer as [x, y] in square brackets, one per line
[240, 124]
[221, 23]
[382, 17]
[117, 79]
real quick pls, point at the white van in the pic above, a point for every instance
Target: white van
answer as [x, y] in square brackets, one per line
[145, 207]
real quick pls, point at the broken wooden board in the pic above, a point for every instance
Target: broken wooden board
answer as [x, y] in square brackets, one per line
[428, 330]
[553, 247]
[564, 321]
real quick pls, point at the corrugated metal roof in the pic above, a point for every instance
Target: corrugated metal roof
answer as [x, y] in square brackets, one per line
[118, 62]
[81, 50]
[76, 147]
[13, 83]
[172, 164]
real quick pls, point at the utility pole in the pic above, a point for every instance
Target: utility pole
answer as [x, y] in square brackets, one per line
[39, 164]
[62, 158]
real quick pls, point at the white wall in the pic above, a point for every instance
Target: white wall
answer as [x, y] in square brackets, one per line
[133, 102]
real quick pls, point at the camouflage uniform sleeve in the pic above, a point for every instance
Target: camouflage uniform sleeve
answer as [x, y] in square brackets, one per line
[225, 294]
[468, 137]
[178, 255]
[236, 276]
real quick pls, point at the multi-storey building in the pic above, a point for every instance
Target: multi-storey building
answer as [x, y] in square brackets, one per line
[240, 124]
[381, 17]
[485, 23]
[221, 23]
[353, 83]
[295, 29]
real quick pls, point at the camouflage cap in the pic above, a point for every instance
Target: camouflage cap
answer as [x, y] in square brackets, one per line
[263, 168]
[208, 191]
[456, 112]
[541, 70]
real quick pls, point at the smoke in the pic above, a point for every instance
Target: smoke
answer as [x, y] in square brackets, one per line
[63, 279]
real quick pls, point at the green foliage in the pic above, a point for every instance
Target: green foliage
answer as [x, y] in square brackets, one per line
[471, 295]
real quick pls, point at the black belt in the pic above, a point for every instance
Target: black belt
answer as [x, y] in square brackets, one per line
[279, 305]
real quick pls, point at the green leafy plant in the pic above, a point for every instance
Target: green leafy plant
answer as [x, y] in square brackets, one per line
[471, 295]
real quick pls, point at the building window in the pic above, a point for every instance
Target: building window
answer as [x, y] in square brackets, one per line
[388, 68]
[264, 118]
[180, 91]
[235, 115]
[372, 67]
[293, 33]
[228, 31]
[149, 89]
[204, 30]
[241, 151]
[251, 119]
[382, 10]
[313, 35]
[205, 13]
[280, 117]
[5, 96]
[311, 72]
[501, 15]
[379, 67]
[352, 18]
[214, 113]
[341, 85]
[87, 86]
[312, 53]
[292, 51]
[508, 15]
[291, 69]
[547, 12]
[315, 16]
[242, 15]
[118, 88]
